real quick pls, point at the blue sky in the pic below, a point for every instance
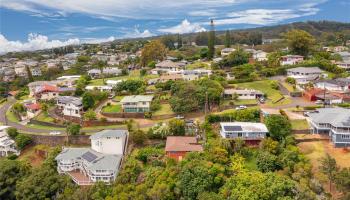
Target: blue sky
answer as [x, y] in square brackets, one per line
[30, 24]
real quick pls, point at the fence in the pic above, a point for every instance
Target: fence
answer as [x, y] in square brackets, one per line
[123, 115]
[54, 140]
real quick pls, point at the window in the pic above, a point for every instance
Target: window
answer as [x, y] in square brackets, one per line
[239, 134]
[345, 136]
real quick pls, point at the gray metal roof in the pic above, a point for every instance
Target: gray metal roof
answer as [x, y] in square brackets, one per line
[109, 133]
[69, 99]
[94, 160]
[305, 70]
[338, 117]
[137, 98]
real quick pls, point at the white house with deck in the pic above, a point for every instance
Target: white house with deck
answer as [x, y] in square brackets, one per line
[70, 106]
[101, 162]
[136, 103]
[291, 59]
[7, 145]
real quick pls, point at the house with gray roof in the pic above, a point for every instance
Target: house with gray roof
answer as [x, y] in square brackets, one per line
[136, 103]
[70, 106]
[334, 122]
[303, 75]
[252, 133]
[101, 162]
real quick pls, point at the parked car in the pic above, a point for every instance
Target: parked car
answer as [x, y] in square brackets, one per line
[319, 102]
[261, 100]
[180, 117]
[55, 133]
[241, 107]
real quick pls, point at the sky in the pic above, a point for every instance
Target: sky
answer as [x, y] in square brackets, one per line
[39, 24]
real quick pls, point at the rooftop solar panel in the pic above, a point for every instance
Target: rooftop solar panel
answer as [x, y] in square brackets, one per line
[88, 156]
[233, 128]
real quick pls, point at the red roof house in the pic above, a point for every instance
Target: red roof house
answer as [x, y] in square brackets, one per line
[177, 146]
[311, 94]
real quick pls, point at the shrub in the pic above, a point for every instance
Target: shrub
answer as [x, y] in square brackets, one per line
[12, 132]
[22, 140]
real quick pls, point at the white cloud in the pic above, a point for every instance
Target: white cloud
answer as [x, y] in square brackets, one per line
[136, 9]
[98, 40]
[184, 27]
[265, 16]
[203, 13]
[34, 42]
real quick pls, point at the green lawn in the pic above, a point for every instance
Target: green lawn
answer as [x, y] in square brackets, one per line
[11, 116]
[118, 98]
[44, 127]
[245, 102]
[44, 117]
[165, 109]
[289, 87]
[112, 108]
[299, 124]
[263, 86]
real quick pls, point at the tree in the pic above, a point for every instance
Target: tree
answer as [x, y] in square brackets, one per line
[267, 162]
[73, 129]
[90, 115]
[11, 172]
[279, 127]
[88, 101]
[236, 58]
[29, 74]
[342, 180]
[182, 99]
[179, 41]
[227, 39]
[138, 137]
[22, 140]
[211, 42]
[101, 65]
[153, 51]
[12, 132]
[273, 59]
[177, 127]
[329, 168]
[252, 185]
[299, 42]
[133, 86]
[269, 145]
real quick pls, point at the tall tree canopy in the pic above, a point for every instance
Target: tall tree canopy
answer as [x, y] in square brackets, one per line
[300, 42]
[153, 51]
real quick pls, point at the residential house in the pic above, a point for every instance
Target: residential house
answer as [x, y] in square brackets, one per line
[270, 41]
[334, 122]
[304, 75]
[260, 55]
[101, 88]
[339, 49]
[335, 85]
[33, 109]
[344, 65]
[291, 59]
[52, 63]
[113, 83]
[136, 103]
[345, 55]
[9, 75]
[46, 92]
[112, 71]
[70, 106]
[190, 75]
[20, 69]
[243, 94]
[166, 66]
[177, 147]
[33, 86]
[101, 162]
[227, 51]
[94, 73]
[7, 145]
[68, 81]
[36, 71]
[251, 133]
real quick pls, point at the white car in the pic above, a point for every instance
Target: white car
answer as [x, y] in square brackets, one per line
[241, 107]
[55, 133]
[319, 102]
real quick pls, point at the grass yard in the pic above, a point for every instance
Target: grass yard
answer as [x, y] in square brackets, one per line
[299, 124]
[116, 108]
[44, 117]
[11, 116]
[118, 98]
[50, 128]
[288, 86]
[263, 86]
[98, 128]
[165, 109]
[245, 102]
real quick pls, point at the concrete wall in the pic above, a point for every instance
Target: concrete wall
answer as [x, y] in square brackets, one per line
[54, 140]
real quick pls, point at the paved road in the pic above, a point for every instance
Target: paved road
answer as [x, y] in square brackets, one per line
[18, 126]
[28, 129]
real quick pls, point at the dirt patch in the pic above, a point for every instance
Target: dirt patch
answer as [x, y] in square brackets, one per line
[28, 154]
